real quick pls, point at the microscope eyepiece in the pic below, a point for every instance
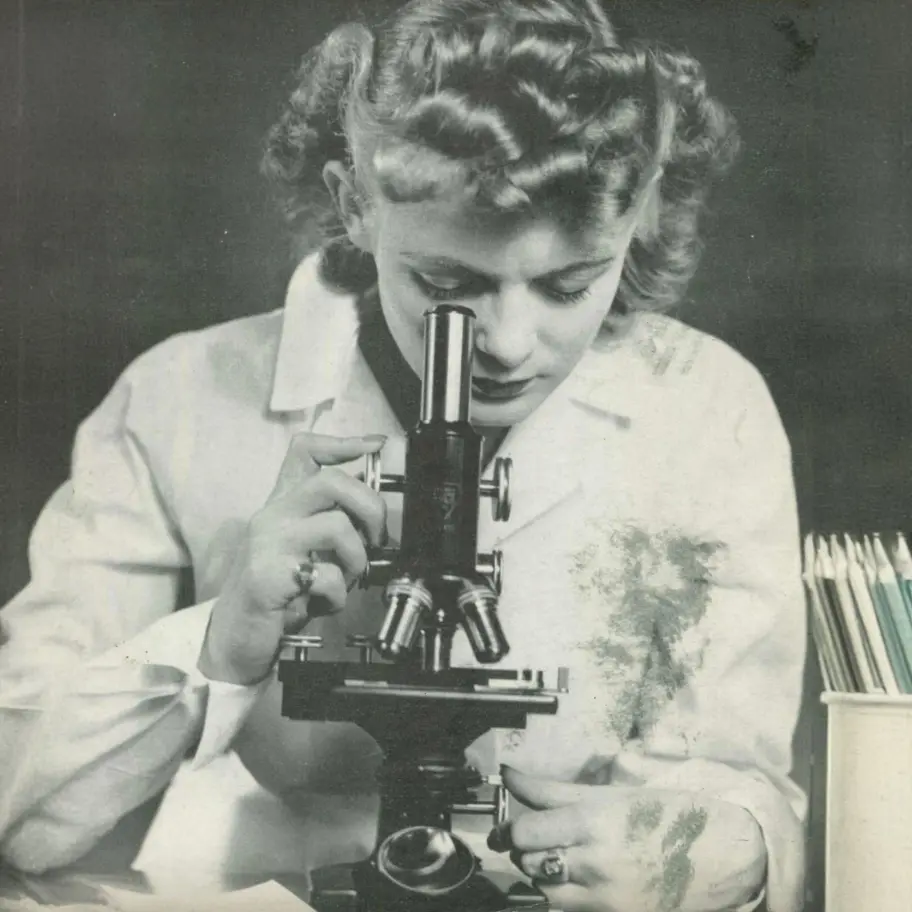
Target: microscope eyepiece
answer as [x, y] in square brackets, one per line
[448, 343]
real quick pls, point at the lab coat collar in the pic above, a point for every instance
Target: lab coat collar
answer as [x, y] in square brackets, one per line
[319, 343]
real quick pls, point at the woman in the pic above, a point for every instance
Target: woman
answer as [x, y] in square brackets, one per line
[522, 160]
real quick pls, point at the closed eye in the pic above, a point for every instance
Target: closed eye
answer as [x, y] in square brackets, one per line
[446, 288]
[563, 296]
[449, 288]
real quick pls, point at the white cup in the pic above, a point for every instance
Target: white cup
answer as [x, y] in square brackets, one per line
[869, 803]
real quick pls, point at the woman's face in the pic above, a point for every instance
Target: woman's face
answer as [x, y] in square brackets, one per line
[539, 296]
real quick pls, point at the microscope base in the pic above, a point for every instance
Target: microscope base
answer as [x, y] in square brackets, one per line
[336, 889]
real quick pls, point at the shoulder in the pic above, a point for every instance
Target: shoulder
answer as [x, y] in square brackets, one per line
[659, 365]
[229, 361]
[678, 355]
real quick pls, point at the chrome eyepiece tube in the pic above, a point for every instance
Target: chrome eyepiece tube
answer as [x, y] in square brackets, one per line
[448, 343]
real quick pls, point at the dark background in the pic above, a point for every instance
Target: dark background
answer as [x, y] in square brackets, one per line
[131, 208]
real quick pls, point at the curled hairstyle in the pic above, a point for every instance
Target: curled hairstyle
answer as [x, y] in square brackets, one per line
[519, 103]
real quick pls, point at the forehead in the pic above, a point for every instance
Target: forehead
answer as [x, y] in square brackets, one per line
[492, 243]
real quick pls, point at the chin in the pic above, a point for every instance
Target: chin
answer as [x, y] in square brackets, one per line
[503, 414]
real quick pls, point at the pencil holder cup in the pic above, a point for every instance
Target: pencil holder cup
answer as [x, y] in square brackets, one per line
[869, 803]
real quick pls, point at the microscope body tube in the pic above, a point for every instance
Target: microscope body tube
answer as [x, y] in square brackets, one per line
[440, 509]
[443, 461]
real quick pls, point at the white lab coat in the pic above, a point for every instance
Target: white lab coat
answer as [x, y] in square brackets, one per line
[652, 548]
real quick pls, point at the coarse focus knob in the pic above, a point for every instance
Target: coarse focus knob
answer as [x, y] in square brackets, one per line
[491, 566]
[376, 480]
[499, 488]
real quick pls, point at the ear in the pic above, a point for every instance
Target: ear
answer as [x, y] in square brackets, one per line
[349, 203]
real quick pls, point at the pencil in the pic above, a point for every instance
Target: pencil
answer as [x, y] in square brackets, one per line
[868, 662]
[885, 647]
[836, 673]
[891, 589]
[823, 570]
[868, 562]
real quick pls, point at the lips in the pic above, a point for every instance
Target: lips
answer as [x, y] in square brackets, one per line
[486, 389]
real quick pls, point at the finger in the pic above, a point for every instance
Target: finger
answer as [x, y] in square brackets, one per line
[538, 793]
[332, 488]
[536, 830]
[580, 869]
[297, 614]
[307, 452]
[329, 593]
[326, 451]
[333, 534]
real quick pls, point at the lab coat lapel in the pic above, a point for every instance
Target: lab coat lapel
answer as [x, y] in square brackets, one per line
[553, 452]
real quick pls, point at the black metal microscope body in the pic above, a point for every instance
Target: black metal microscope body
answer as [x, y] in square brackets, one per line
[422, 712]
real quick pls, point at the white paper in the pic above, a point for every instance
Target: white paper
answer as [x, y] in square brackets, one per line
[269, 897]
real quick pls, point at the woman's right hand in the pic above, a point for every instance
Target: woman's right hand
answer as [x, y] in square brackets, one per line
[313, 509]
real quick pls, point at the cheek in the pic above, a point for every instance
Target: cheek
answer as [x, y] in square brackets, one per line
[403, 301]
[397, 291]
[404, 310]
[570, 333]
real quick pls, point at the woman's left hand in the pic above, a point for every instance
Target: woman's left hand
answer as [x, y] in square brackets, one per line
[604, 848]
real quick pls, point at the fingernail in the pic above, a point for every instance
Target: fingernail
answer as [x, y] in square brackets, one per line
[374, 438]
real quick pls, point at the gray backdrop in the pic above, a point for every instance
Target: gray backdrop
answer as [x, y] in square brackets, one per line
[131, 208]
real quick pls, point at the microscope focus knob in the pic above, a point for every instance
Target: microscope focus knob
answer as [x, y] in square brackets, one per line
[364, 644]
[498, 489]
[491, 566]
[302, 643]
[372, 472]
[376, 480]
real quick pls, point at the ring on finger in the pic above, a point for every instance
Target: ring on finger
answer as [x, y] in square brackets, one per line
[553, 867]
[305, 574]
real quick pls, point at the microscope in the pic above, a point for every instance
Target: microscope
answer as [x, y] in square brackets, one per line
[423, 712]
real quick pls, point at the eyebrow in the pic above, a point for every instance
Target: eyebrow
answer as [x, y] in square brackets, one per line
[446, 263]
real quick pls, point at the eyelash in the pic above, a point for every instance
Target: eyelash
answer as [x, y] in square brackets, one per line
[436, 293]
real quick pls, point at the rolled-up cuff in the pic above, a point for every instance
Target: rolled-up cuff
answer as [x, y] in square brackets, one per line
[176, 641]
[753, 904]
[227, 708]
[784, 837]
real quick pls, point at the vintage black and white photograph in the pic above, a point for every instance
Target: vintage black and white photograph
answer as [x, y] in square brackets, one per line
[455, 455]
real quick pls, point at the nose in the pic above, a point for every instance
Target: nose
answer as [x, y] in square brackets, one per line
[505, 329]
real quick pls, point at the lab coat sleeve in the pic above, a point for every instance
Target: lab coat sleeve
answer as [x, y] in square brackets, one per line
[100, 697]
[730, 686]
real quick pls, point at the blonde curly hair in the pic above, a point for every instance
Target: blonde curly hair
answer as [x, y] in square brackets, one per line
[523, 104]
